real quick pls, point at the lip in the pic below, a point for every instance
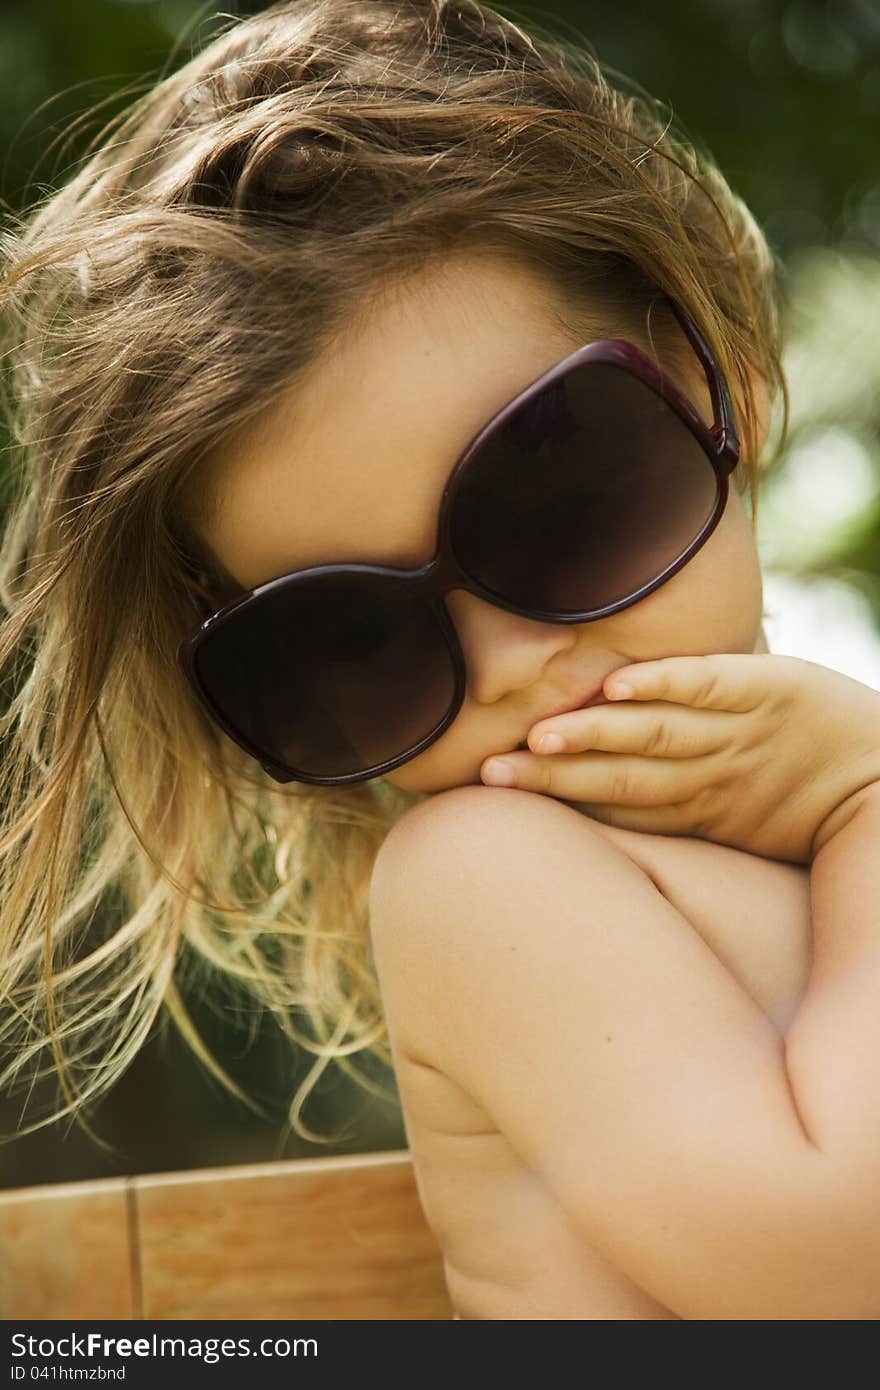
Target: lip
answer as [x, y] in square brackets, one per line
[593, 696]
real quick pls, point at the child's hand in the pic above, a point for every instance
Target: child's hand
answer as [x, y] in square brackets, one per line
[752, 751]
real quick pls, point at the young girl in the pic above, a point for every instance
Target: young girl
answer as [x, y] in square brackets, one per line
[382, 386]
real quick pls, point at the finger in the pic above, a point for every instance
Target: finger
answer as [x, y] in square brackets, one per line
[601, 777]
[722, 680]
[676, 819]
[654, 730]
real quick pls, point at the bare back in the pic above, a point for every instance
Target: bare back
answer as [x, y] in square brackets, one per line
[511, 1250]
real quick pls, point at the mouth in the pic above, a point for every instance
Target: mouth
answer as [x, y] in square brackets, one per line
[596, 698]
[593, 697]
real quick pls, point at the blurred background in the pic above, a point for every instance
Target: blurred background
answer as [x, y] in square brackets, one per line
[786, 95]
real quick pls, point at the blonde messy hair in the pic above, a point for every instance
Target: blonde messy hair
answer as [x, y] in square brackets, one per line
[217, 237]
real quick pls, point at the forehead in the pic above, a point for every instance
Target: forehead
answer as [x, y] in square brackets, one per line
[351, 465]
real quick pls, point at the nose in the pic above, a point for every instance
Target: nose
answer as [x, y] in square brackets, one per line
[503, 652]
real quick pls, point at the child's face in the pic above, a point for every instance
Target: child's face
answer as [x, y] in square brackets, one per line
[351, 468]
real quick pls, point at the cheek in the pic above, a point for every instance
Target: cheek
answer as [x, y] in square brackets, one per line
[411, 777]
[733, 542]
[445, 764]
[450, 762]
[725, 582]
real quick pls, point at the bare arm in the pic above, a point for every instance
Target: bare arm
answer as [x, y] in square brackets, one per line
[833, 1049]
[545, 972]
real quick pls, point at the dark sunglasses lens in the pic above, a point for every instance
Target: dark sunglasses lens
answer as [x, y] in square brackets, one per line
[332, 675]
[586, 494]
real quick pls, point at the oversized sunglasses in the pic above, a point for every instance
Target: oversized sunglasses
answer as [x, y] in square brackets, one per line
[581, 496]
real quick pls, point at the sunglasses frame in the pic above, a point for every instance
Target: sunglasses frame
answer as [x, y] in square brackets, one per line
[719, 441]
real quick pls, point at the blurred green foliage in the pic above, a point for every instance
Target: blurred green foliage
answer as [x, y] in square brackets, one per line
[786, 95]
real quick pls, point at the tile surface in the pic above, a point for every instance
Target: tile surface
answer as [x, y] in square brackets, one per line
[327, 1238]
[64, 1252]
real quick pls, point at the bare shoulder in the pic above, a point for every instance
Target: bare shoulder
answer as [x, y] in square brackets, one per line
[448, 819]
[461, 830]
[470, 829]
[481, 878]
[753, 913]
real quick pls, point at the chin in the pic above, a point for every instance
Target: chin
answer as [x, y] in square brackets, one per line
[423, 784]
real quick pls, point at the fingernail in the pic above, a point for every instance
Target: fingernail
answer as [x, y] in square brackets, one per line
[498, 773]
[550, 743]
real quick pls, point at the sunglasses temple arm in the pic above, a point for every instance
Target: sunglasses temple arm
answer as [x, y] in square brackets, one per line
[724, 428]
[202, 608]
